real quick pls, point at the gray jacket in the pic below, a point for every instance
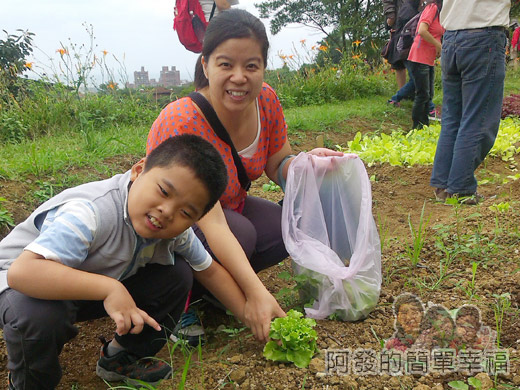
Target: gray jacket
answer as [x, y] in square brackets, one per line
[113, 249]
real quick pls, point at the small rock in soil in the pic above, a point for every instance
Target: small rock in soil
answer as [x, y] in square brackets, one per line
[486, 381]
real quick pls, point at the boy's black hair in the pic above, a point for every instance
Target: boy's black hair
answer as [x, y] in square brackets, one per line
[234, 23]
[197, 154]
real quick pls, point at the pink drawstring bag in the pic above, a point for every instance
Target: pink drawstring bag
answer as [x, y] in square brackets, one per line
[330, 234]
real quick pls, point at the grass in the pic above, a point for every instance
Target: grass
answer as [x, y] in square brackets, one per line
[47, 156]
[343, 117]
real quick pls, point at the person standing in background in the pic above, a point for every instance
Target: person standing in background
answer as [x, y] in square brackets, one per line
[473, 72]
[391, 9]
[425, 48]
[213, 7]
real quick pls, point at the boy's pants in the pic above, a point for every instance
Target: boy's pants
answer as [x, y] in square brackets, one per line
[35, 330]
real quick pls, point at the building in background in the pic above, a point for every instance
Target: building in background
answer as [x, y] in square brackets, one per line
[141, 78]
[167, 78]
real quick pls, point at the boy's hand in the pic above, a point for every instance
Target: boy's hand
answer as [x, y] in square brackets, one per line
[258, 313]
[121, 307]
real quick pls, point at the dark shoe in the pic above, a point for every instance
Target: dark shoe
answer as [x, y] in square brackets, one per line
[441, 194]
[124, 366]
[468, 199]
[190, 329]
[393, 103]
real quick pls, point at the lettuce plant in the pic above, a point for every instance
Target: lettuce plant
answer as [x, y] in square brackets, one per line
[293, 339]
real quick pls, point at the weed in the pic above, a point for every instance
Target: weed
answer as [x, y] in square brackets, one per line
[499, 208]
[6, 218]
[380, 341]
[45, 192]
[471, 287]
[234, 333]
[391, 271]
[501, 307]
[384, 228]
[460, 385]
[418, 235]
[433, 282]
[304, 381]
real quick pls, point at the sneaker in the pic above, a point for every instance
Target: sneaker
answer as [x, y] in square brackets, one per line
[434, 116]
[191, 329]
[393, 103]
[126, 367]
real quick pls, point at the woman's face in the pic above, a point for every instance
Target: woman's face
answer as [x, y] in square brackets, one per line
[235, 71]
[409, 317]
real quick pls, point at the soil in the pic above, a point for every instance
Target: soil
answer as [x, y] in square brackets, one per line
[233, 359]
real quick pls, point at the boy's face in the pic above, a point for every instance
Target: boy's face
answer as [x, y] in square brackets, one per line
[467, 328]
[165, 201]
[410, 316]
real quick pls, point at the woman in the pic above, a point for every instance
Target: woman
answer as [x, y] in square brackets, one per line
[425, 48]
[408, 311]
[437, 329]
[243, 232]
[212, 8]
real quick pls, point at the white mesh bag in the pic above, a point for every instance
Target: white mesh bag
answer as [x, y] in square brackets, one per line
[330, 234]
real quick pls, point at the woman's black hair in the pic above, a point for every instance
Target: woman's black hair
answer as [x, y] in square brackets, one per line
[233, 23]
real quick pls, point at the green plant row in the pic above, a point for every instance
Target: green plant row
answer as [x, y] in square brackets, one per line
[417, 147]
[53, 109]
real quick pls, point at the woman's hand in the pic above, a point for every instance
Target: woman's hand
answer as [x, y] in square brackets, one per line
[324, 152]
[438, 49]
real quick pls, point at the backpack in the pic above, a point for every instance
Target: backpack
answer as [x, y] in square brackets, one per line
[190, 23]
[407, 36]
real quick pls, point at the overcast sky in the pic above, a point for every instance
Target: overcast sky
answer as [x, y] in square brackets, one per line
[139, 33]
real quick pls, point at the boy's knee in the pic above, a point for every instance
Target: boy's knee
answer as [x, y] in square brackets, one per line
[38, 318]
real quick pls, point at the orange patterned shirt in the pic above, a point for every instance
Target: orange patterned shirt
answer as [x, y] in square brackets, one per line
[181, 117]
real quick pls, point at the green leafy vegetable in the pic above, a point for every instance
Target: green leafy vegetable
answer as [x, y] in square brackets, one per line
[293, 339]
[417, 147]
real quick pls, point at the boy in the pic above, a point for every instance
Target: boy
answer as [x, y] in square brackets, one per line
[470, 333]
[107, 248]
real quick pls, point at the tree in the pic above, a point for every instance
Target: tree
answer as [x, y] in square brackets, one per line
[13, 52]
[343, 22]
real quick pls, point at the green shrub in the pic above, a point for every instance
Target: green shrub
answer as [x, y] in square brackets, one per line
[12, 127]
